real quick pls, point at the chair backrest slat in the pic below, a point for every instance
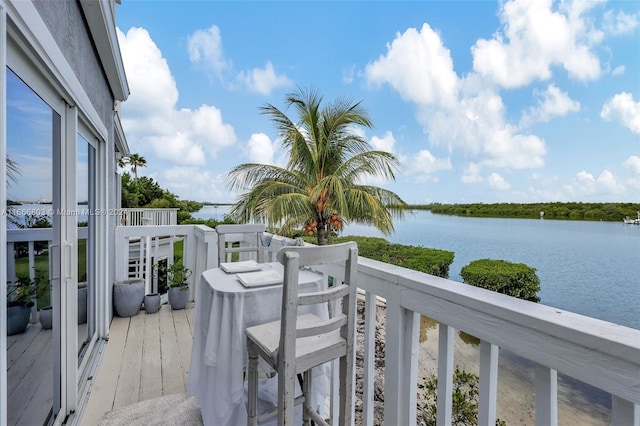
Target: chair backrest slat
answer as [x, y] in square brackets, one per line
[322, 327]
[248, 236]
[316, 297]
[293, 258]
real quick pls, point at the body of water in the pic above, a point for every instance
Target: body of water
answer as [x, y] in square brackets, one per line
[591, 268]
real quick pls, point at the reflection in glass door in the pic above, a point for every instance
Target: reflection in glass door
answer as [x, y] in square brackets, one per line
[34, 131]
[86, 194]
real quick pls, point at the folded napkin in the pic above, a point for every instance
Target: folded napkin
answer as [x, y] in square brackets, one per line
[244, 266]
[260, 278]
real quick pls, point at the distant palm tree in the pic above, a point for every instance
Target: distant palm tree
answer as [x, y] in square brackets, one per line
[323, 184]
[13, 170]
[123, 161]
[135, 161]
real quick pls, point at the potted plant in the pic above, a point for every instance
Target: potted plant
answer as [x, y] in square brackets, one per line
[19, 305]
[152, 303]
[128, 296]
[177, 280]
[46, 317]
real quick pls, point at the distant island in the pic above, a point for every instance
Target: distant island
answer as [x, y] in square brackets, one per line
[610, 212]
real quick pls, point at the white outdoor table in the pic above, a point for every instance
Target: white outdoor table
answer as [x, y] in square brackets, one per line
[223, 309]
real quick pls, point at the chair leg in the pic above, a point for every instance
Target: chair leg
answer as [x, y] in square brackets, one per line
[306, 391]
[346, 389]
[252, 403]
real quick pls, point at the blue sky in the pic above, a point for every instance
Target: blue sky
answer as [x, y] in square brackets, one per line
[481, 101]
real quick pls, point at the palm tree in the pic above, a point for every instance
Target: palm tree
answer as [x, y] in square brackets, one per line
[123, 161]
[323, 186]
[135, 161]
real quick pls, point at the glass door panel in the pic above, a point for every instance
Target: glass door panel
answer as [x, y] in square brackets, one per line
[86, 195]
[34, 132]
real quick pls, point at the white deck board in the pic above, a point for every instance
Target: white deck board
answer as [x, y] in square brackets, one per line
[150, 352]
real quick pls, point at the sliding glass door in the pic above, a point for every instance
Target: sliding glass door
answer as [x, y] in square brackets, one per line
[35, 254]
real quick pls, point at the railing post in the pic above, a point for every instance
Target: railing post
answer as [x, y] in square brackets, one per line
[488, 383]
[189, 260]
[11, 262]
[401, 357]
[445, 375]
[369, 358]
[546, 387]
[624, 413]
[32, 275]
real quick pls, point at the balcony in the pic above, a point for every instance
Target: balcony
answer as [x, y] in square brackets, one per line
[548, 341]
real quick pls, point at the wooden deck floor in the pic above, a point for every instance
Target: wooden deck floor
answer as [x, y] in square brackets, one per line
[29, 376]
[147, 356]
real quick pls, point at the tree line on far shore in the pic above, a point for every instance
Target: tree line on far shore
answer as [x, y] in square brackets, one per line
[610, 212]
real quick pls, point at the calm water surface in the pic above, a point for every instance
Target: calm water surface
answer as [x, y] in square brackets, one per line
[591, 268]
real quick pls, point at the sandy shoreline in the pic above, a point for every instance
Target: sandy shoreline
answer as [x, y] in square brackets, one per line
[578, 404]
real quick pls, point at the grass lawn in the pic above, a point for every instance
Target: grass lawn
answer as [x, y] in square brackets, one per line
[41, 264]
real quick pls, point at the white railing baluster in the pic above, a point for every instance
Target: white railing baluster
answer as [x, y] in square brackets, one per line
[156, 249]
[369, 359]
[546, 387]
[488, 384]
[11, 262]
[32, 274]
[445, 375]
[154, 217]
[392, 376]
[624, 413]
[148, 267]
[410, 350]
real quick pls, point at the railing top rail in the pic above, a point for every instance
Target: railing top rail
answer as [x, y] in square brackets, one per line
[560, 323]
[141, 209]
[153, 230]
[600, 353]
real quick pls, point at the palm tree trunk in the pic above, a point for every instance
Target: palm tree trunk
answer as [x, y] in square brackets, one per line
[322, 229]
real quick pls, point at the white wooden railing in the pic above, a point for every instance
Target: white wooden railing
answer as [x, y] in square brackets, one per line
[139, 217]
[601, 354]
[138, 248]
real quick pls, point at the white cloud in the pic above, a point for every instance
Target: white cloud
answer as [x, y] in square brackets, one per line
[262, 80]
[472, 174]
[260, 149]
[418, 66]
[624, 109]
[619, 23]
[551, 103]
[498, 182]
[633, 163]
[458, 114]
[385, 143]
[585, 184]
[619, 70]
[192, 183]
[348, 74]
[150, 117]
[423, 165]
[535, 38]
[205, 47]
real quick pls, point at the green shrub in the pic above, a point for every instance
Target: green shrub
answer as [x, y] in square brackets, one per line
[514, 279]
[465, 400]
[431, 261]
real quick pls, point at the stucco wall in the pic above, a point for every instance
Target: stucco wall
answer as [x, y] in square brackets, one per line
[67, 24]
[68, 27]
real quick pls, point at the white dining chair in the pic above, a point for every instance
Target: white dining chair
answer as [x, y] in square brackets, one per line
[298, 343]
[244, 239]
